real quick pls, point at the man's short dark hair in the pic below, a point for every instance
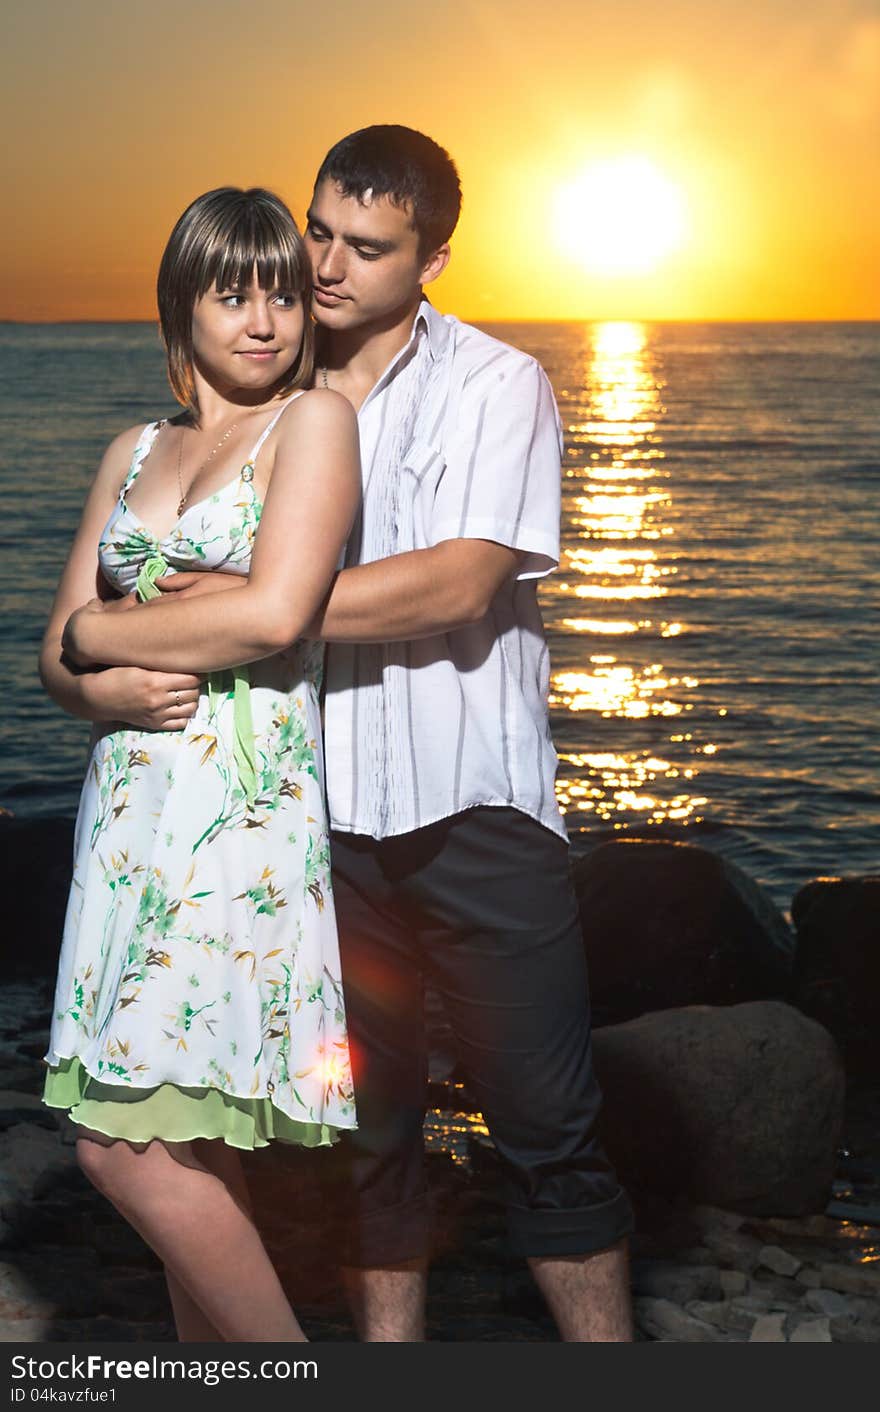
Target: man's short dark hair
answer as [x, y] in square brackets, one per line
[407, 167]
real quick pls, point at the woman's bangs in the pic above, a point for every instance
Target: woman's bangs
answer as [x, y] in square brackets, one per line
[254, 244]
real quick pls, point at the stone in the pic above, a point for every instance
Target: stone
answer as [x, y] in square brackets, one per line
[809, 1277]
[768, 1328]
[733, 1282]
[36, 862]
[18, 1107]
[667, 925]
[854, 1331]
[863, 1307]
[757, 1301]
[18, 1297]
[715, 1218]
[774, 1258]
[29, 1154]
[829, 1302]
[661, 1319]
[810, 1331]
[680, 1283]
[738, 1106]
[850, 1279]
[29, 1330]
[767, 1286]
[723, 1314]
[836, 973]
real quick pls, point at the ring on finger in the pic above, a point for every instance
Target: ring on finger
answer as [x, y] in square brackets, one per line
[177, 698]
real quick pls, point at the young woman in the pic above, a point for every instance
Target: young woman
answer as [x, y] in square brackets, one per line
[198, 1006]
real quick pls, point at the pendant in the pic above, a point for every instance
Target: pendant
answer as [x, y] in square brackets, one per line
[180, 507]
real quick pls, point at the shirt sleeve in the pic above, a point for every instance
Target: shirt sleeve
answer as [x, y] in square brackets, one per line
[502, 477]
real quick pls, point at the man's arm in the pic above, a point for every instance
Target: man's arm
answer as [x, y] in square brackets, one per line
[418, 594]
[495, 514]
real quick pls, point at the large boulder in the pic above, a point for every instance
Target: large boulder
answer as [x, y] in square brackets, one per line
[837, 962]
[36, 862]
[671, 924]
[739, 1106]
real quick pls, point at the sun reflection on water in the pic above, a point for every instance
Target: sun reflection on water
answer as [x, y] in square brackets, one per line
[620, 550]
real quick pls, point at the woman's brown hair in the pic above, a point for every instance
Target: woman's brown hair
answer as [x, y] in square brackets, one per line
[220, 241]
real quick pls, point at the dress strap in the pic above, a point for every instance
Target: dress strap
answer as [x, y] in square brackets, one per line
[267, 430]
[140, 453]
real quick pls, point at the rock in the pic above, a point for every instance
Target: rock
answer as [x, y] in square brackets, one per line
[836, 976]
[19, 1299]
[774, 1258]
[810, 1331]
[662, 1319]
[775, 1287]
[733, 1282]
[850, 1279]
[723, 1314]
[28, 1330]
[680, 1283]
[854, 1331]
[29, 1153]
[810, 1277]
[671, 924]
[36, 862]
[829, 1302]
[735, 1106]
[24, 1108]
[758, 1301]
[768, 1328]
[715, 1218]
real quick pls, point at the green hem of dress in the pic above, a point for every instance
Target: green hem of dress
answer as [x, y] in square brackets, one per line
[174, 1113]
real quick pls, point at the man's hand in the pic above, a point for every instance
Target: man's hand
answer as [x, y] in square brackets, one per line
[195, 585]
[153, 701]
[75, 639]
[75, 634]
[117, 605]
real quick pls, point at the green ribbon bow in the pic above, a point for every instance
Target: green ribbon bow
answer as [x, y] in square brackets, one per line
[243, 747]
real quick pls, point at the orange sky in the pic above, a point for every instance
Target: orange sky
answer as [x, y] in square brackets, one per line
[763, 114]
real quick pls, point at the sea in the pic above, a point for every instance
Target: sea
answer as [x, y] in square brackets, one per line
[714, 624]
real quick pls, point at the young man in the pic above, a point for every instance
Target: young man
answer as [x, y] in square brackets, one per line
[449, 852]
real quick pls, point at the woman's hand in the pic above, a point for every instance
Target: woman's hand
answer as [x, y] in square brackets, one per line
[153, 701]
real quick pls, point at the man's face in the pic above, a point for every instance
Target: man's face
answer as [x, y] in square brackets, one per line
[365, 259]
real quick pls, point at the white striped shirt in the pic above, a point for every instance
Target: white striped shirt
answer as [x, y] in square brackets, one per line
[460, 439]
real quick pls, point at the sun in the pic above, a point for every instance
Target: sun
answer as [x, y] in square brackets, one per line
[620, 216]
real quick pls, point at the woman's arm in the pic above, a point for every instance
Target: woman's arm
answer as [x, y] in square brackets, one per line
[307, 515]
[141, 698]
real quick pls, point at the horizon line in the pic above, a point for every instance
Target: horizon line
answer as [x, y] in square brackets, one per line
[512, 319]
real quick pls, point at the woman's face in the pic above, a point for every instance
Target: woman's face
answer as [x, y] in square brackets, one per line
[246, 339]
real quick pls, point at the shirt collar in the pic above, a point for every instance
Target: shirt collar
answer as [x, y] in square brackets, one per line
[435, 326]
[436, 331]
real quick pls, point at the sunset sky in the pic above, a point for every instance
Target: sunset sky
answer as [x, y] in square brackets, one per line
[694, 159]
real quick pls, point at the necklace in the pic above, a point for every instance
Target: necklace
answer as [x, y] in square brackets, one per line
[185, 493]
[323, 372]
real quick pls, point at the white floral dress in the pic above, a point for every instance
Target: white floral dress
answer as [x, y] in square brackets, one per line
[199, 988]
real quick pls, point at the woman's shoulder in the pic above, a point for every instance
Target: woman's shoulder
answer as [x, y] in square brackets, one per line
[316, 409]
[132, 437]
[119, 454]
